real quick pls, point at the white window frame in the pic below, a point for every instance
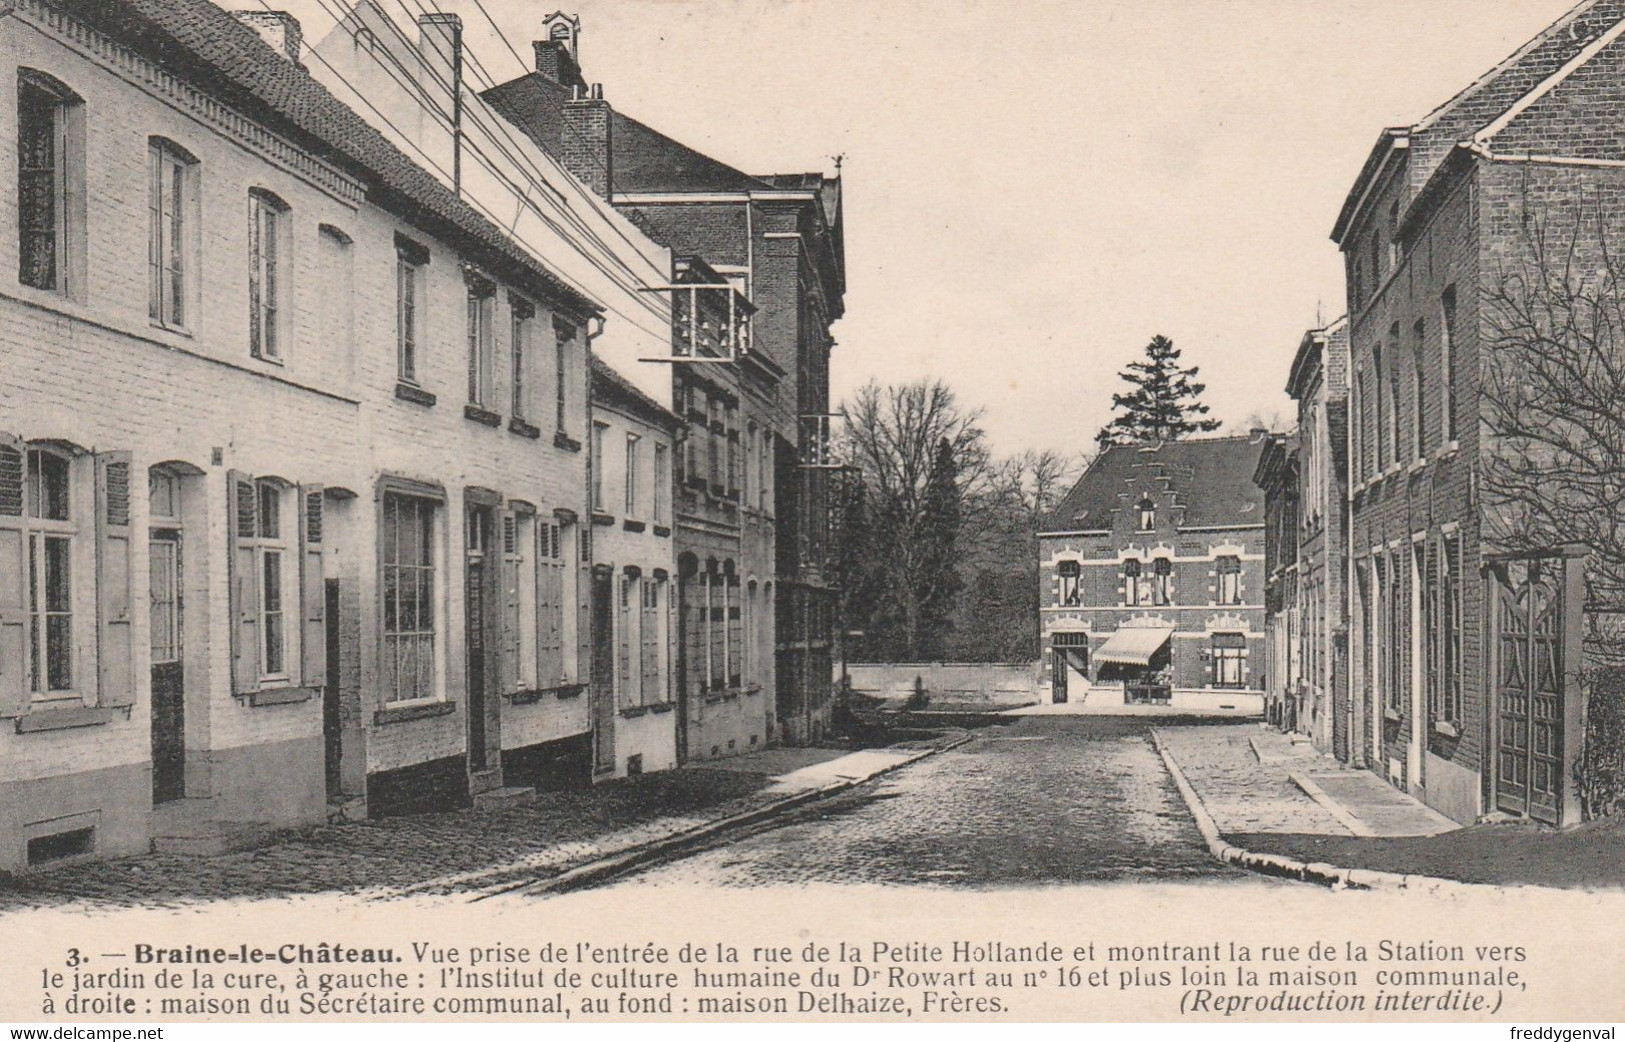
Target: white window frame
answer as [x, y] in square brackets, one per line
[435, 570]
[410, 260]
[171, 232]
[482, 297]
[41, 531]
[279, 542]
[269, 261]
[634, 462]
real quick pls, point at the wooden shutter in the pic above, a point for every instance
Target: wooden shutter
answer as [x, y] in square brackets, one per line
[14, 696]
[508, 668]
[583, 608]
[549, 606]
[242, 527]
[312, 587]
[651, 642]
[115, 665]
[622, 591]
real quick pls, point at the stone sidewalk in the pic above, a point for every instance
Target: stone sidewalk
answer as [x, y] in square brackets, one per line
[468, 852]
[1278, 806]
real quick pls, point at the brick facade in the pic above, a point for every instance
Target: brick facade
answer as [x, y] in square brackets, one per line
[1215, 654]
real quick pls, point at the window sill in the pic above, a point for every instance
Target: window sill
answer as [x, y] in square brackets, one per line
[662, 531]
[481, 415]
[1450, 449]
[280, 696]
[630, 712]
[421, 711]
[1416, 468]
[268, 359]
[661, 707]
[523, 429]
[1446, 728]
[1390, 715]
[531, 696]
[166, 327]
[563, 441]
[413, 393]
[68, 718]
[633, 526]
[601, 518]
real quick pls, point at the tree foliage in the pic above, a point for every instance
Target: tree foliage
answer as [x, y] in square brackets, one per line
[1163, 402]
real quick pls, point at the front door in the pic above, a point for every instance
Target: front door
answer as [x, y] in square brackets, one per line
[685, 625]
[1529, 688]
[168, 672]
[332, 717]
[479, 642]
[603, 668]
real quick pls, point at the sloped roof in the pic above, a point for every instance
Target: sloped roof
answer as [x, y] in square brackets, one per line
[1211, 479]
[205, 45]
[645, 160]
[612, 389]
[1528, 73]
[1315, 351]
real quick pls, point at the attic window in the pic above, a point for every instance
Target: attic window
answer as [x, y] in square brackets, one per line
[1148, 515]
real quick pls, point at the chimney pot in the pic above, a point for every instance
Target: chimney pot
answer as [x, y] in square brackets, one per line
[279, 29]
[597, 92]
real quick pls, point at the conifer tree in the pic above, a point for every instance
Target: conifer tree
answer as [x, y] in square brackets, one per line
[1163, 402]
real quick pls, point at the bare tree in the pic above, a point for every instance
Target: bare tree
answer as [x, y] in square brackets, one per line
[897, 435]
[1554, 394]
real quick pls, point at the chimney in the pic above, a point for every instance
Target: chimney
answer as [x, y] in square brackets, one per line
[588, 149]
[279, 29]
[440, 42]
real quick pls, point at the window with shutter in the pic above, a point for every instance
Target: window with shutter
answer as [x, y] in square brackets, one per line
[242, 503]
[267, 229]
[508, 667]
[114, 638]
[14, 687]
[651, 688]
[48, 167]
[171, 196]
[312, 588]
[51, 559]
[735, 631]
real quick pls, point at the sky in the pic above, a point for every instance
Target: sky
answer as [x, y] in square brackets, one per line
[1033, 189]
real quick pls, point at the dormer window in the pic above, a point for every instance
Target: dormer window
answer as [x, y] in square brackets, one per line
[1148, 515]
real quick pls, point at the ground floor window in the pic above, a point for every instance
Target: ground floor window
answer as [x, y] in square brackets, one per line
[1229, 659]
[410, 585]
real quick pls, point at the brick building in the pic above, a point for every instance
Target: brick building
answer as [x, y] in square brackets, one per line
[1278, 476]
[261, 483]
[1152, 568]
[1305, 483]
[1467, 645]
[778, 239]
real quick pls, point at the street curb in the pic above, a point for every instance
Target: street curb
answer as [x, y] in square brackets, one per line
[1290, 868]
[622, 861]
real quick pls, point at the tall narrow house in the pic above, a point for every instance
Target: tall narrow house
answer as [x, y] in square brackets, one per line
[1480, 243]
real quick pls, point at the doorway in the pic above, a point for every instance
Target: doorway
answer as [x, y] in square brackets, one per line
[168, 669]
[603, 667]
[332, 717]
[479, 641]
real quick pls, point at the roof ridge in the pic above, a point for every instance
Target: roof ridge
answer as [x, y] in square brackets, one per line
[1575, 62]
[1504, 65]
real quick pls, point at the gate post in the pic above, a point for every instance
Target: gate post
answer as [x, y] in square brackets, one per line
[1574, 588]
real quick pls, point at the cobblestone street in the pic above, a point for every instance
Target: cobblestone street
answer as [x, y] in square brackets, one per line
[1046, 800]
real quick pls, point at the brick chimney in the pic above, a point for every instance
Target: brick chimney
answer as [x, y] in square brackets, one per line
[279, 29]
[588, 148]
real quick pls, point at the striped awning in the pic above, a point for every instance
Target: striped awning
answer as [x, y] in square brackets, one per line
[1135, 645]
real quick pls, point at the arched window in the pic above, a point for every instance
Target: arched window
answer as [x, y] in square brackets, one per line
[49, 174]
[1132, 582]
[267, 273]
[171, 231]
